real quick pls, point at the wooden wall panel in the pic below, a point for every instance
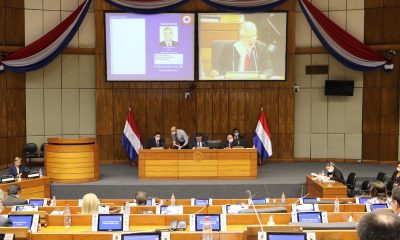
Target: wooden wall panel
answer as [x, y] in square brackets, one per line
[371, 111]
[381, 89]
[215, 108]
[3, 113]
[3, 26]
[3, 152]
[15, 27]
[104, 112]
[16, 120]
[14, 147]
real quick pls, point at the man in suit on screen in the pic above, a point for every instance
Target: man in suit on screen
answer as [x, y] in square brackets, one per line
[245, 55]
[168, 41]
[156, 142]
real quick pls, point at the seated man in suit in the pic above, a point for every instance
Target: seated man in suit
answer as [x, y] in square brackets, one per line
[156, 141]
[246, 54]
[199, 143]
[230, 142]
[17, 169]
[239, 139]
[13, 198]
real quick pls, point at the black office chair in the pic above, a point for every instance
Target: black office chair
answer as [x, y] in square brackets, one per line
[30, 152]
[42, 150]
[351, 184]
[381, 177]
[389, 187]
[364, 187]
[192, 139]
[394, 175]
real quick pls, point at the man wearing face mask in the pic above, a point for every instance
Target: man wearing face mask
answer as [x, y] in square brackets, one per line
[179, 138]
[239, 139]
[230, 142]
[156, 142]
[334, 173]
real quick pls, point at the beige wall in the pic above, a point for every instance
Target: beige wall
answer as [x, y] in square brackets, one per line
[328, 127]
[60, 99]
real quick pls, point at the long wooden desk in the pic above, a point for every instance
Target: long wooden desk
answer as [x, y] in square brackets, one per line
[316, 188]
[198, 164]
[72, 160]
[32, 188]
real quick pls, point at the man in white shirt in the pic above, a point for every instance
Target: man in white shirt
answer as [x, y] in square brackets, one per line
[179, 138]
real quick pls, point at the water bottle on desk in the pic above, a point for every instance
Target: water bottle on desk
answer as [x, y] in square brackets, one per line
[172, 203]
[67, 217]
[53, 202]
[127, 208]
[207, 233]
[336, 207]
[40, 172]
[283, 198]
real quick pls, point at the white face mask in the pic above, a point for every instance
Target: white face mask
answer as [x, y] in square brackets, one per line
[236, 134]
[398, 169]
[173, 133]
[230, 140]
[157, 138]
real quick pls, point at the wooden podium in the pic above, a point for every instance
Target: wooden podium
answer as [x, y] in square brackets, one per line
[198, 164]
[320, 189]
[72, 160]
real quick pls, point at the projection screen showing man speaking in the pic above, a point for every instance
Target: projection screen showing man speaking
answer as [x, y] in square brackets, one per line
[242, 46]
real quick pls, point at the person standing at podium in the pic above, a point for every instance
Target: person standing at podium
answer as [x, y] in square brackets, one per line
[179, 138]
[17, 169]
[156, 142]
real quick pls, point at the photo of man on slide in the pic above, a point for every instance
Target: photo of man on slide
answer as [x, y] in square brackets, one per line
[244, 55]
[168, 35]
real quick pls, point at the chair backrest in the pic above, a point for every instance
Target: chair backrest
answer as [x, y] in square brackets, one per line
[365, 186]
[394, 175]
[389, 186]
[30, 148]
[381, 177]
[42, 147]
[351, 180]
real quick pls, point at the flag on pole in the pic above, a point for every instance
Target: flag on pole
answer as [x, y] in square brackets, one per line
[262, 138]
[131, 140]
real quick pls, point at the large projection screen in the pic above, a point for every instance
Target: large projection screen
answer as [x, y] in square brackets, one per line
[155, 47]
[235, 46]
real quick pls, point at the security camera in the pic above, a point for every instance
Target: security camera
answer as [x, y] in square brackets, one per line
[296, 88]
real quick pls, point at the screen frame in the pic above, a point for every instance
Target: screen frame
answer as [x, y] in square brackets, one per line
[194, 52]
[241, 80]
[139, 234]
[36, 200]
[259, 199]
[365, 199]
[22, 215]
[205, 215]
[305, 213]
[202, 199]
[310, 200]
[116, 230]
[371, 207]
[305, 204]
[287, 233]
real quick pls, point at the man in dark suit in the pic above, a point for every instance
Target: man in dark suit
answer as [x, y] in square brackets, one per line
[245, 55]
[168, 34]
[199, 143]
[17, 169]
[13, 198]
[230, 142]
[156, 141]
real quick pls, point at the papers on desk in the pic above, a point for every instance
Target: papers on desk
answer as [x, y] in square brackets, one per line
[57, 213]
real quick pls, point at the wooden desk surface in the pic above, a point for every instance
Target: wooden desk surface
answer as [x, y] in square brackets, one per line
[32, 188]
[198, 164]
[317, 188]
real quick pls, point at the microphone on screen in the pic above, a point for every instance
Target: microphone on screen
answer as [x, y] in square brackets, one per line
[255, 211]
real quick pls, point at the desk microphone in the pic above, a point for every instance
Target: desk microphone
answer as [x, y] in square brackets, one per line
[201, 209]
[255, 211]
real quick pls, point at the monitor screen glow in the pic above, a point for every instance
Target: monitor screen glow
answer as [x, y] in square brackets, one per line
[21, 208]
[201, 202]
[309, 217]
[141, 236]
[378, 206]
[309, 200]
[164, 209]
[215, 220]
[155, 47]
[259, 201]
[21, 220]
[242, 46]
[286, 236]
[110, 222]
[305, 207]
[363, 200]
[37, 202]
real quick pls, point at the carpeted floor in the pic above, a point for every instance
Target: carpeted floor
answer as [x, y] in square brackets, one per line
[120, 181]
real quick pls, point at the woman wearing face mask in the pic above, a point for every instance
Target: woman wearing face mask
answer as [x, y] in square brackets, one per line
[396, 176]
[334, 173]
